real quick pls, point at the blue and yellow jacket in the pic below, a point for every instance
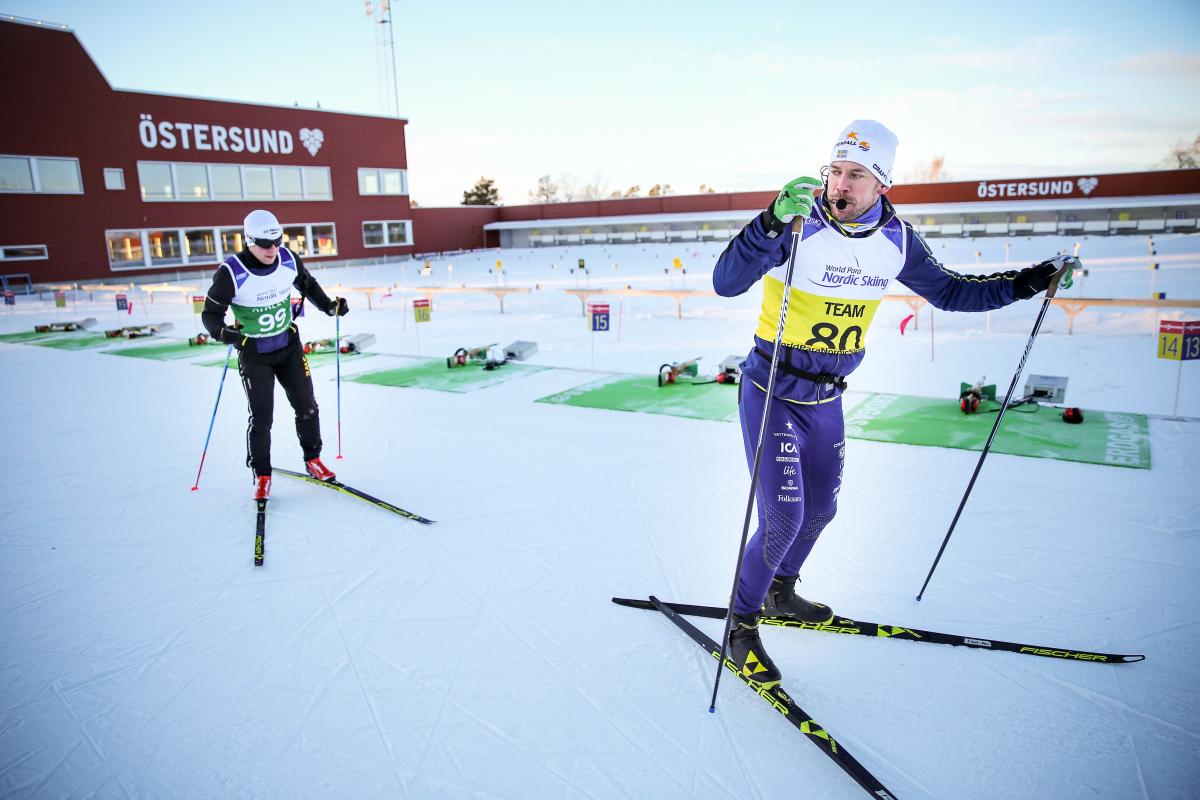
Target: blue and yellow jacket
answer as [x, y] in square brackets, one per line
[839, 279]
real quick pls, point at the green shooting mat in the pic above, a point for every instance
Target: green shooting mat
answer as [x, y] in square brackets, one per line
[165, 351]
[434, 374]
[315, 360]
[75, 341]
[1104, 437]
[713, 401]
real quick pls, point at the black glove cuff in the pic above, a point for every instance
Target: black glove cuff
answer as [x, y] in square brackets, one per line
[771, 223]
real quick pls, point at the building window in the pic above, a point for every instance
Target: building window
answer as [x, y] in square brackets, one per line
[200, 244]
[125, 249]
[155, 181]
[258, 183]
[397, 233]
[114, 179]
[40, 174]
[16, 174]
[226, 181]
[164, 248]
[316, 184]
[295, 239]
[191, 181]
[375, 180]
[287, 183]
[324, 240]
[231, 240]
[373, 234]
[387, 233]
[196, 181]
[24, 252]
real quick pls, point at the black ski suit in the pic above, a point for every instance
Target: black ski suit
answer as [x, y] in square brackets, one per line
[263, 361]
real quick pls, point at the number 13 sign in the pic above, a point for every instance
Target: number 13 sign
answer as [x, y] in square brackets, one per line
[1179, 340]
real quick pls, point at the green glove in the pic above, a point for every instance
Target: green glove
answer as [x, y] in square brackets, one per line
[796, 199]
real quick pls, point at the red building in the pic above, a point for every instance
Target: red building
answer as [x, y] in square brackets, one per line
[97, 182]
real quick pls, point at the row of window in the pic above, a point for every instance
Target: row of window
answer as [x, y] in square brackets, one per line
[140, 249]
[37, 174]
[172, 181]
[167, 181]
[378, 180]
[174, 247]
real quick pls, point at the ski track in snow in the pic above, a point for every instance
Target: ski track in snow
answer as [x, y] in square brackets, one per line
[141, 655]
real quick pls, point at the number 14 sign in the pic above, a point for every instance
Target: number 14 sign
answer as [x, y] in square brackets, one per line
[1179, 340]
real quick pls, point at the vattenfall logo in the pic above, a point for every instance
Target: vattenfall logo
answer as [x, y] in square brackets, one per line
[853, 140]
[221, 138]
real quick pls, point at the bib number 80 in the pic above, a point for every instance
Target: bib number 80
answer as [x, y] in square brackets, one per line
[269, 322]
[824, 334]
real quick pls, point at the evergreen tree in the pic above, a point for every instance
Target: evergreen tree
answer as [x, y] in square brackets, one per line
[483, 193]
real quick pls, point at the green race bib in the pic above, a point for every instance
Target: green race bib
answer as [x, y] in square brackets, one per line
[261, 321]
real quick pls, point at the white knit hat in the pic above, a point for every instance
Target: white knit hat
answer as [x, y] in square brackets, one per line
[261, 224]
[869, 143]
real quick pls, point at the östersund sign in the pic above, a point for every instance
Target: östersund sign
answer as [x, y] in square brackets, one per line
[229, 139]
[1060, 187]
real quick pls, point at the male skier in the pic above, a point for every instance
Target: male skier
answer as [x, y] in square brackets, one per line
[256, 284]
[852, 245]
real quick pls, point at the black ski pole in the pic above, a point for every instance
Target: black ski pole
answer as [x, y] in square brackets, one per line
[1066, 264]
[758, 451]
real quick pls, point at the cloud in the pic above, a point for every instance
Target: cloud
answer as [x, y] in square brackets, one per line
[1034, 52]
[1158, 62]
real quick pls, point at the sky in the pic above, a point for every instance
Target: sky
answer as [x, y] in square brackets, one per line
[737, 96]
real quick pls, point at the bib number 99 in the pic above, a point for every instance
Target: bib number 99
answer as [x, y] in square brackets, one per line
[268, 323]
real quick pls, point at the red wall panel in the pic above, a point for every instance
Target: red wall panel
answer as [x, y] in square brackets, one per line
[68, 109]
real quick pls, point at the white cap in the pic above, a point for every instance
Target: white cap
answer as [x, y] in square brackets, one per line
[260, 224]
[869, 143]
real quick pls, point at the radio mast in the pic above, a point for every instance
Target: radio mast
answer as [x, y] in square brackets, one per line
[380, 12]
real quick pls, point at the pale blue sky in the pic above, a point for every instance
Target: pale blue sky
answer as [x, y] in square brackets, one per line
[738, 95]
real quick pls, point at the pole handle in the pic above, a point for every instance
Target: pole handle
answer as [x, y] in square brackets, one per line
[1063, 277]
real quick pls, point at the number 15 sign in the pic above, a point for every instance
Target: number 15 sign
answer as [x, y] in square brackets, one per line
[600, 316]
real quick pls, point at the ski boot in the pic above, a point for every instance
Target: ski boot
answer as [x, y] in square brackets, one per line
[782, 601]
[262, 487]
[746, 650]
[318, 470]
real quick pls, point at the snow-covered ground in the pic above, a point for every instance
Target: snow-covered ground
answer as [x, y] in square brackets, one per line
[142, 655]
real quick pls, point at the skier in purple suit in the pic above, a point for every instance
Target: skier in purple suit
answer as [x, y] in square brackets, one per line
[852, 245]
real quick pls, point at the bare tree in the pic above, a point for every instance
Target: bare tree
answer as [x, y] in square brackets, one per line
[568, 188]
[546, 192]
[932, 172]
[1182, 156]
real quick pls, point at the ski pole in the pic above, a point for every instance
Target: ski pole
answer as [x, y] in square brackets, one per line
[337, 341]
[758, 452]
[220, 386]
[1067, 263]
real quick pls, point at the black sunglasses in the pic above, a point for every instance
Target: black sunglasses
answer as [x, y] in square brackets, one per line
[267, 244]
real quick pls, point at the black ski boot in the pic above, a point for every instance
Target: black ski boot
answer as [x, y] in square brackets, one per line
[746, 650]
[782, 601]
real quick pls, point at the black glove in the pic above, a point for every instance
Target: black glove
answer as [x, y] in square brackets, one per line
[340, 307]
[1036, 279]
[233, 336]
